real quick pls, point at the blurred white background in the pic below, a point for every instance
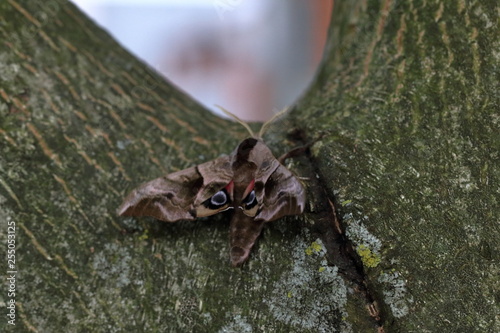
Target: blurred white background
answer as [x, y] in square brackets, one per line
[253, 57]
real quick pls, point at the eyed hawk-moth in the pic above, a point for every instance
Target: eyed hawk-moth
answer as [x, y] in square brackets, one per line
[250, 181]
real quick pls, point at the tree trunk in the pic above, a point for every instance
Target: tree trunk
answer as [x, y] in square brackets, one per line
[406, 110]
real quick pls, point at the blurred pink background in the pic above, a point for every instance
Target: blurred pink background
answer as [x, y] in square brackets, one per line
[253, 57]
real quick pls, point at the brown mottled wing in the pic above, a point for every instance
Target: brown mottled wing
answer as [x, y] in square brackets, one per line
[177, 195]
[283, 195]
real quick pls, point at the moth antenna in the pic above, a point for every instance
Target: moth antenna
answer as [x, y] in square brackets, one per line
[273, 118]
[244, 124]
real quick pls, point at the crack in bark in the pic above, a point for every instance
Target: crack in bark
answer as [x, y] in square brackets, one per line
[330, 229]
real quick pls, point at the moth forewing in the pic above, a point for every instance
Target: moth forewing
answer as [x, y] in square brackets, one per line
[284, 195]
[159, 199]
[216, 175]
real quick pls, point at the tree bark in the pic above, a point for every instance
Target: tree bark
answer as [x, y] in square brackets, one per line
[406, 110]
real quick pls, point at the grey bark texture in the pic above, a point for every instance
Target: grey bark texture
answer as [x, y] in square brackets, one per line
[406, 103]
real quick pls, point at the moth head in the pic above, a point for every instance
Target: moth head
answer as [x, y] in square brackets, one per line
[218, 202]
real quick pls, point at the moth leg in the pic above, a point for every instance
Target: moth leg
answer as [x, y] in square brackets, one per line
[296, 152]
[299, 150]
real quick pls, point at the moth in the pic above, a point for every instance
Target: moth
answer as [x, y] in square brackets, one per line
[250, 181]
